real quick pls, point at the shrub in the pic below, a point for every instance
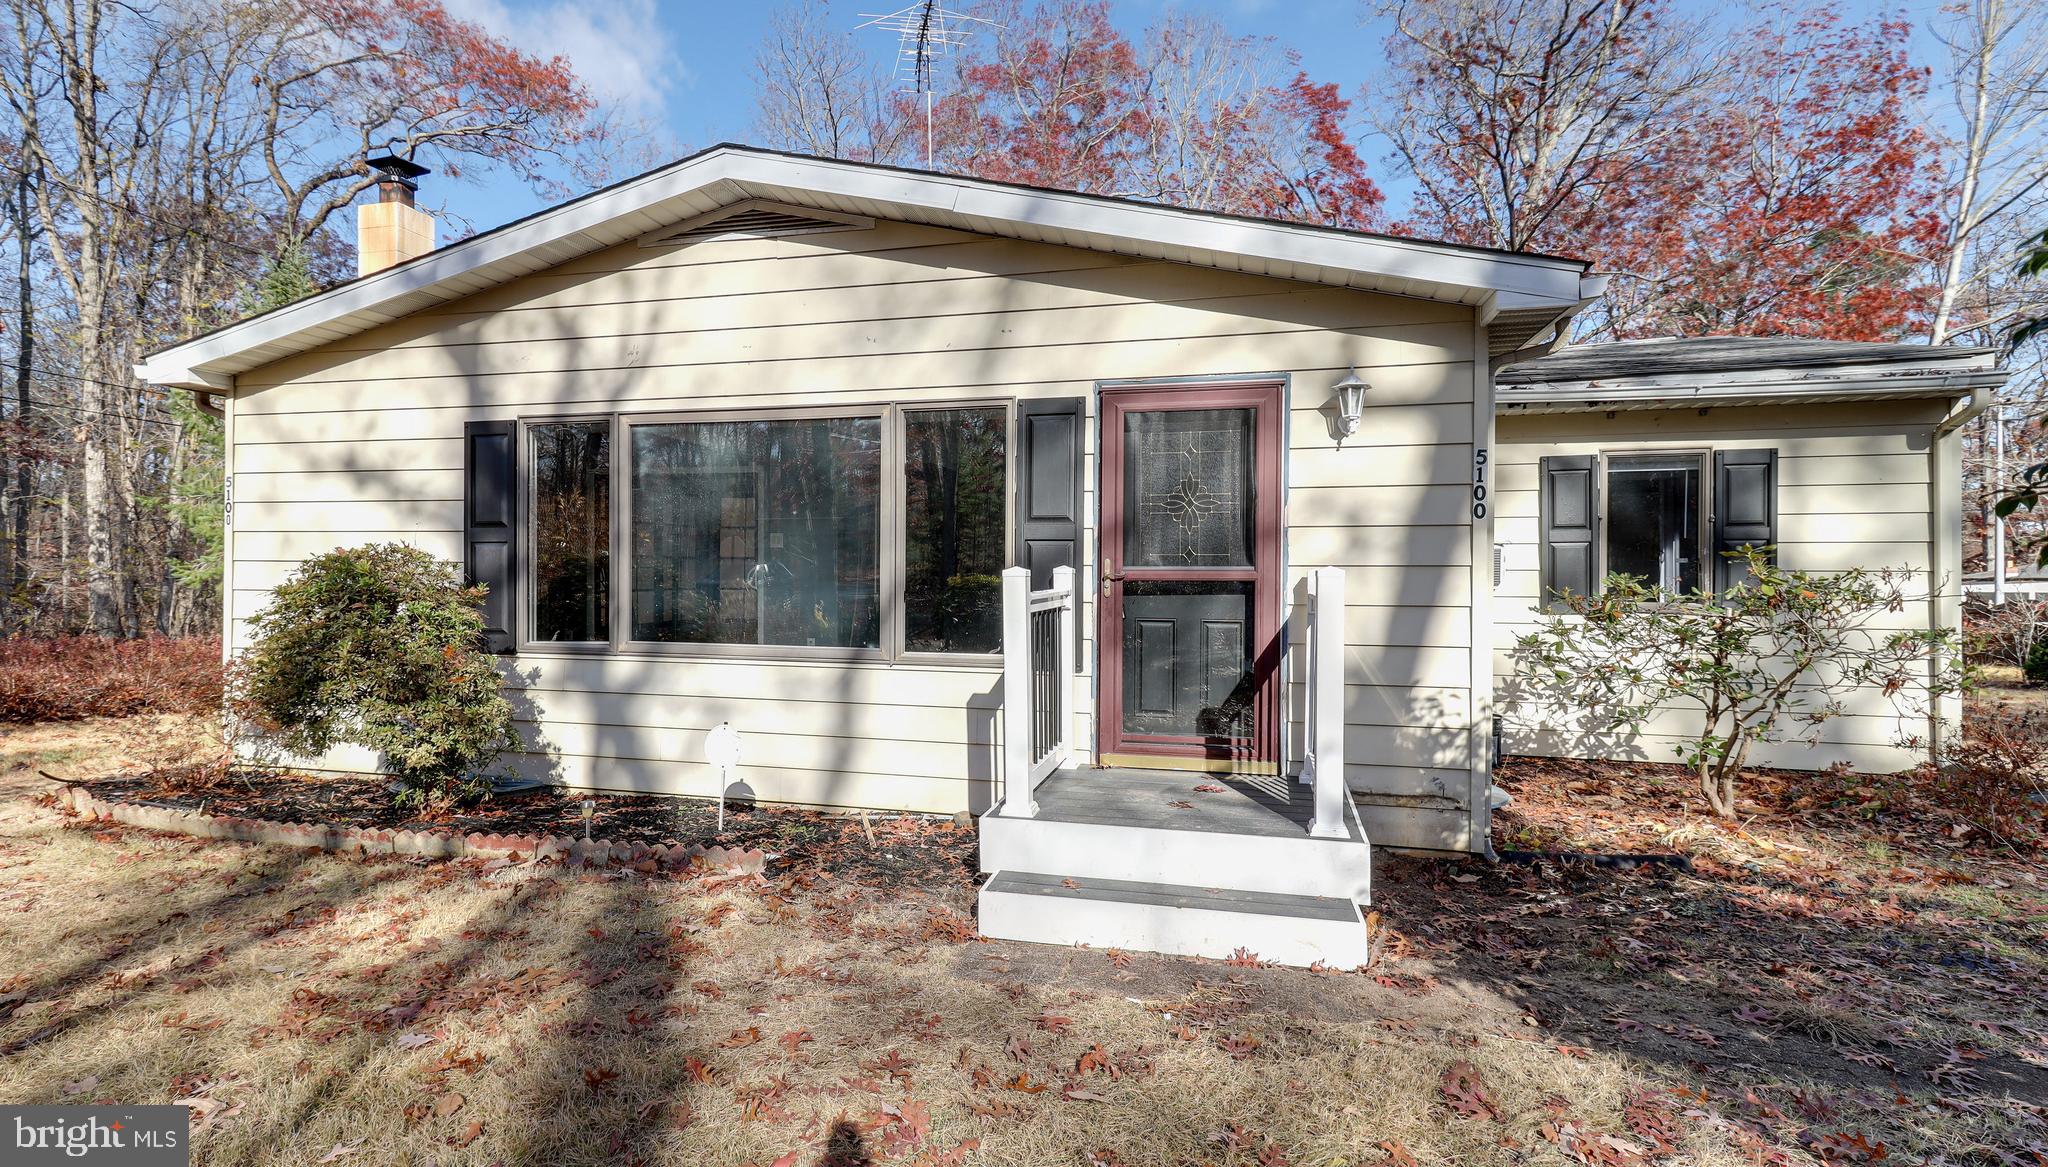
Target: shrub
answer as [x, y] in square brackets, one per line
[65, 678]
[1766, 656]
[2013, 633]
[1994, 778]
[2036, 662]
[380, 646]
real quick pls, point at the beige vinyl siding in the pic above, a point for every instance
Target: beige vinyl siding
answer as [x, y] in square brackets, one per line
[1854, 490]
[361, 440]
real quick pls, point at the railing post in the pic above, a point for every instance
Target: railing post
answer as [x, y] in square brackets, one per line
[1017, 800]
[1063, 580]
[1326, 700]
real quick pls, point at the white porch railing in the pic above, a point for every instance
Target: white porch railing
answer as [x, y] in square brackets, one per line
[1038, 683]
[1322, 763]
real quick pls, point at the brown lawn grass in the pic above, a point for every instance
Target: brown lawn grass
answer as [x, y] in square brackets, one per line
[402, 1012]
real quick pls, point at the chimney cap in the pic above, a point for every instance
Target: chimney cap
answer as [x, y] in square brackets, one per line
[404, 170]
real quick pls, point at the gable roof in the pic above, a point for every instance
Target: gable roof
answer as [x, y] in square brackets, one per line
[1521, 294]
[1669, 372]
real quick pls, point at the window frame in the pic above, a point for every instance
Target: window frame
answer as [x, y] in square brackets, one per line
[891, 534]
[1703, 537]
[526, 619]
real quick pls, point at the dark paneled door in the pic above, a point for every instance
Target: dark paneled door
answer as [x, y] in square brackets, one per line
[1190, 551]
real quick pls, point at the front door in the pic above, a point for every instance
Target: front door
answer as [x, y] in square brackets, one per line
[1191, 572]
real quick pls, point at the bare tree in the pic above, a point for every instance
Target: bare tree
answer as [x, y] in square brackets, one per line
[1998, 77]
[174, 148]
[820, 93]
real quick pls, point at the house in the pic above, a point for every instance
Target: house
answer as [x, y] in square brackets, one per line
[867, 463]
[1652, 457]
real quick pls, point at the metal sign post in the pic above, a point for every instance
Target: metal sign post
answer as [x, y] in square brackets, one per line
[722, 751]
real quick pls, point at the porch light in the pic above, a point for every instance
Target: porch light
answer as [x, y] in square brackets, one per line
[1350, 403]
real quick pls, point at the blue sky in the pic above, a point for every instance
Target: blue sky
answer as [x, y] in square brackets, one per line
[687, 65]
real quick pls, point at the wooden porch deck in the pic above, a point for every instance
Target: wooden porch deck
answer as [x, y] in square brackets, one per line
[1266, 806]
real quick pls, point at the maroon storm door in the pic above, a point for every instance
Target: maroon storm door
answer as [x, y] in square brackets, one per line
[1191, 576]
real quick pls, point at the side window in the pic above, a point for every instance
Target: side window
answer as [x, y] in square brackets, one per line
[1669, 519]
[572, 531]
[955, 478]
[1654, 528]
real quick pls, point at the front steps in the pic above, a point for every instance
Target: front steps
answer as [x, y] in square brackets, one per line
[1185, 921]
[1147, 863]
[1289, 863]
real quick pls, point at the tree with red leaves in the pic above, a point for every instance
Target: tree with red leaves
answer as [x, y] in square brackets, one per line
[1803, 205]
[1775, 187]
[1056, 99]
[1524, 121]
[1057, 96]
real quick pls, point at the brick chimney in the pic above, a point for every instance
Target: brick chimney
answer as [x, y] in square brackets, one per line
[392, 230]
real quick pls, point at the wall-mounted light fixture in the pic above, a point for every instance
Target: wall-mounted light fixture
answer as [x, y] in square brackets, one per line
[1350, 403]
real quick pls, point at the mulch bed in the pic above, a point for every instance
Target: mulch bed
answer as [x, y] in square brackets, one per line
[920, 851]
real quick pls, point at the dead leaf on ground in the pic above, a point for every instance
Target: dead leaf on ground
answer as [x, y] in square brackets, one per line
[1467, 1092]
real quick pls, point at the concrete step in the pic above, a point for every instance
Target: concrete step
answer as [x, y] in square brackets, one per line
[1289, 864]
[1179, 919]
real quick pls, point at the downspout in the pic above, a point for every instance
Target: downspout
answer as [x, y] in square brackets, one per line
[203, 398]
[1945, 549]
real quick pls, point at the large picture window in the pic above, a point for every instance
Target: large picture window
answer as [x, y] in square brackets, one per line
[572, 530]
[955, 545]
[757, 532]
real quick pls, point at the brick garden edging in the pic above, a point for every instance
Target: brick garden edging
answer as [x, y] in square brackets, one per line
[430, 844]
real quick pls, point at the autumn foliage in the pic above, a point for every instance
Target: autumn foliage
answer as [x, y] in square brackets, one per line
[1779, 184]
[1802, 206]
[1185, 114]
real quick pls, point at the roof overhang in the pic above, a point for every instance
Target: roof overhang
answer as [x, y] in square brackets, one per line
[1971, 380]
[1499, 285]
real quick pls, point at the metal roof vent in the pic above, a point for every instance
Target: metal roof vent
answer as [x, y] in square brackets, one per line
[756, 219]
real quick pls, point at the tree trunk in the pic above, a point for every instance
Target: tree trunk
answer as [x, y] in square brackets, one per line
[102, 522]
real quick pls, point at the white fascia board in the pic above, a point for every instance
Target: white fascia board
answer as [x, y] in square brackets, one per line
[174, 377]
[1530, 280]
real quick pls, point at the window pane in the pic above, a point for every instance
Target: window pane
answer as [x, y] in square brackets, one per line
[1653, 519]
[572, 531]
[953, 530]
[758, 532]
[1187, 488]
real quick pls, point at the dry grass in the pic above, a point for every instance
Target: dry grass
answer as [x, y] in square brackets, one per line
[411, 1012]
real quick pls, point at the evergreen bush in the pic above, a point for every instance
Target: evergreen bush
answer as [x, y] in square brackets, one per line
[380, 646]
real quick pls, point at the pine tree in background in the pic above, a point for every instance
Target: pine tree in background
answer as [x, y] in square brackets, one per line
[196, 494]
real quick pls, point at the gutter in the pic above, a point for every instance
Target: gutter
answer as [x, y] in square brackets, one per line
[1981, 398]
[1968, 384]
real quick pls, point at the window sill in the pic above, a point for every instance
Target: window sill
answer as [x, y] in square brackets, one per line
[851, 658]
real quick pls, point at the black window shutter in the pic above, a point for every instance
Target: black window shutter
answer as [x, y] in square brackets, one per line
[490, 503]
[1569, 503]
[1745, 510]
[1049, 486]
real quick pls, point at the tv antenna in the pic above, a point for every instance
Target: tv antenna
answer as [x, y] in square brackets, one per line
[925, 31]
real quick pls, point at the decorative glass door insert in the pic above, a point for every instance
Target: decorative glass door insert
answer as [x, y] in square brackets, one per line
[1190, 541]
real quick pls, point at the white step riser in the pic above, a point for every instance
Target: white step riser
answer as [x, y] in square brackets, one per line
[1042, 919]
[1334, 868]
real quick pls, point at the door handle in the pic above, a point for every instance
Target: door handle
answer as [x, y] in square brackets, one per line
[1109, 577]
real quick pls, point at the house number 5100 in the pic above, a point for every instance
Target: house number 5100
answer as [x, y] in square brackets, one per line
[1479, 482]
